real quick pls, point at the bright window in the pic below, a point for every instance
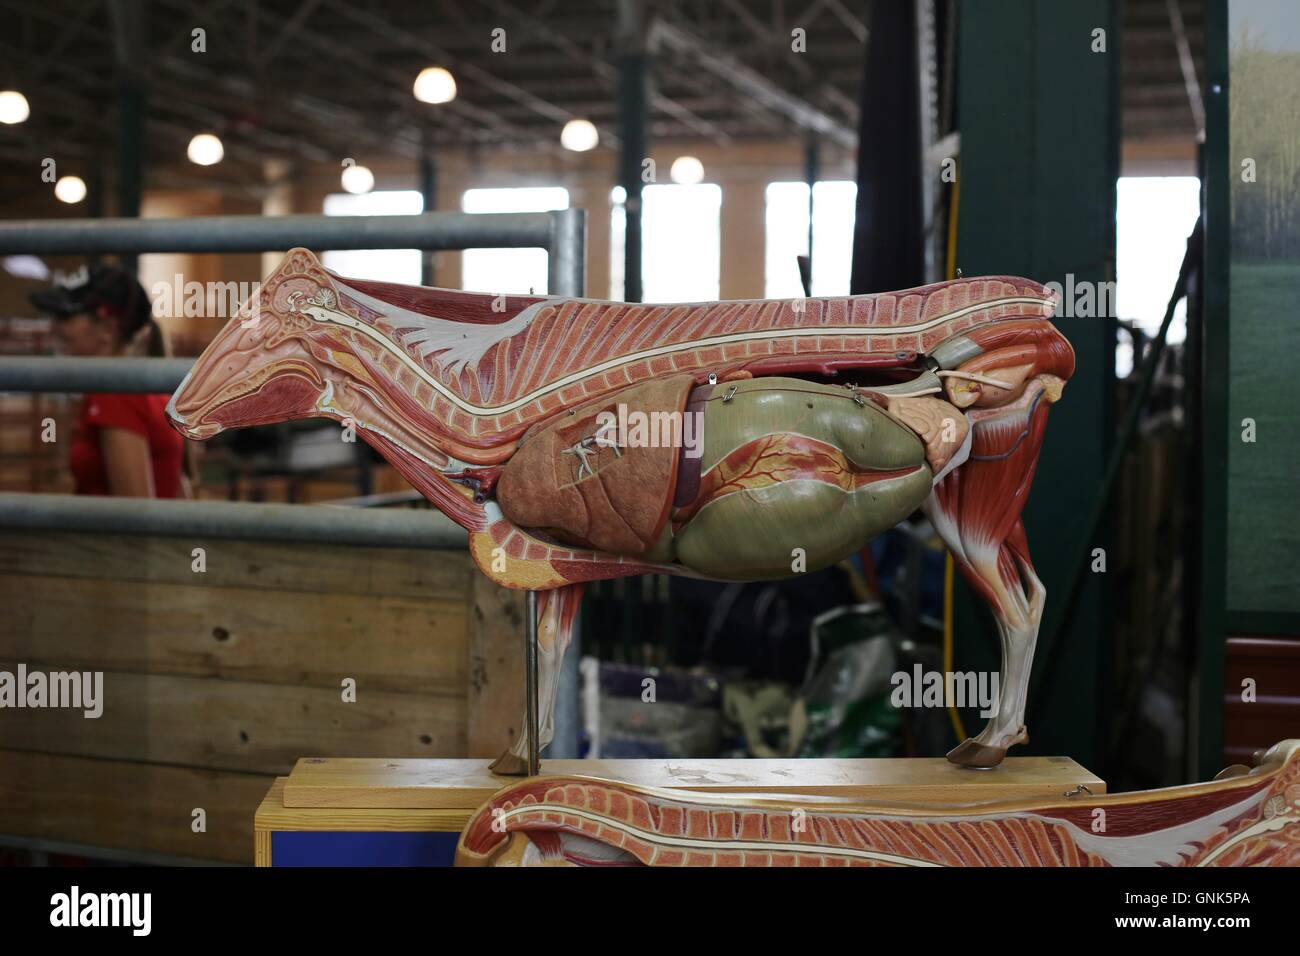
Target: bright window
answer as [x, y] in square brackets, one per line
[382, 265]
[1154, 215]
[518, 271]
[680, 242]
[834, 204]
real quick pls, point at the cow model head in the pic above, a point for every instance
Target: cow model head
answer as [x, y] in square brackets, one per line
[274, 361]
[293, 351]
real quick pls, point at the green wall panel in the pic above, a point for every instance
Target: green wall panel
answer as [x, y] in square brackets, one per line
[1039, 160]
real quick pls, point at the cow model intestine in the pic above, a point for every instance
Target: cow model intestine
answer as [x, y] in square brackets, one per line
[578, 440]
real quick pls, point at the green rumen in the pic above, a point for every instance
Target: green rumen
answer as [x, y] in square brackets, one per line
[813, 516]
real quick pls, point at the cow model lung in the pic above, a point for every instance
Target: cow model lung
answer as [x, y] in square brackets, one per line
[578, 440]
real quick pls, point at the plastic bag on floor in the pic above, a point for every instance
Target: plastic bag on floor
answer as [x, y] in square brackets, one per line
[844, 709]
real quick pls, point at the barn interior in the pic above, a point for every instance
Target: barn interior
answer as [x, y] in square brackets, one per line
[661, 152]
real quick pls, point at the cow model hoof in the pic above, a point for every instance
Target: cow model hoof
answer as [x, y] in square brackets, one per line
[977, 756]
[509, 765]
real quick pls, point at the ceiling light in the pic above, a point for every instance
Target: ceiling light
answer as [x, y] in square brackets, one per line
[358, 179]
[579, 135]
[435, 85]
[205, 150]
[70, 189]
[13, 107]
[687, 170]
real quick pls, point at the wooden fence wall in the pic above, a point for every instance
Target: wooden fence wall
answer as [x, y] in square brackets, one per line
[217, 681]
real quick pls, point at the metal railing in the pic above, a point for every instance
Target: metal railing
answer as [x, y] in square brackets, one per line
[301, 524]
[561, 233]
[39, 373]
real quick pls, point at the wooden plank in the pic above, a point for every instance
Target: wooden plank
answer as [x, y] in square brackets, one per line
[496, 668]
[262, 856]
[273, 816]
[237, 725]
[129, 805]
[1273, 665]
[390, 643]
[1273, 662]
[466, 784]
[246, 564]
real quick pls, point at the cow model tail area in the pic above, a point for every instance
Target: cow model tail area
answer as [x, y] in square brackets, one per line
[976, 508]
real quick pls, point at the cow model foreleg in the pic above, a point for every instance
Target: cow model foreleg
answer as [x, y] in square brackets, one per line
[557, 612]
[976, 510]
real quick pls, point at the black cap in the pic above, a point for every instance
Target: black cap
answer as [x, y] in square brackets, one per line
[92, 287]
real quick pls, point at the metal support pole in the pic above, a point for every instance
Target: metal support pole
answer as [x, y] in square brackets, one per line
[633, 106]
[566, 267]
[633, 69]
[812, 173]
[129, 53]
[130, 151]
[530, 681]
[888, 237]
[927, 103]
[429, 193]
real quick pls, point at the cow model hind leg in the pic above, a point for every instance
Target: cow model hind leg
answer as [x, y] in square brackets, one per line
[557, 612]
[976, 510]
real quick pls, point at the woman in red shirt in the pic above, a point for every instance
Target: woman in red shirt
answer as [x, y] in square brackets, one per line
[121, 444]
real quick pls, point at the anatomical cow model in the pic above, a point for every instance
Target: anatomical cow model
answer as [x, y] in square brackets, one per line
[578, 440]
[1245, 817]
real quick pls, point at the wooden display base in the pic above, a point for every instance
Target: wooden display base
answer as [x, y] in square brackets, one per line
[362, 783]
[340, 811]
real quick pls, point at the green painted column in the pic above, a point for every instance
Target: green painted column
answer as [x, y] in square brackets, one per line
[1039, 159]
